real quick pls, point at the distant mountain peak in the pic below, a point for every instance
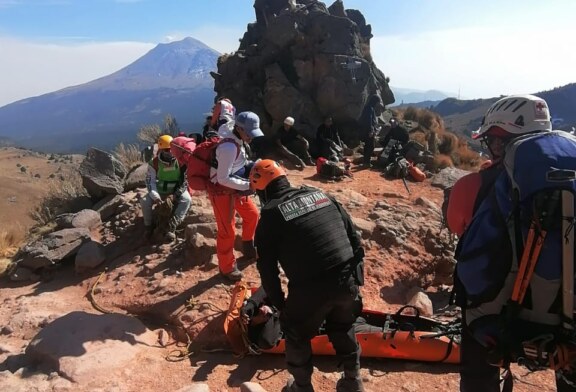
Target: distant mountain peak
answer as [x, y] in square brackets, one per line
[180, 64]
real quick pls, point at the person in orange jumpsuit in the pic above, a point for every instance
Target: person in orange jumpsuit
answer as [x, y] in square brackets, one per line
[232, 173]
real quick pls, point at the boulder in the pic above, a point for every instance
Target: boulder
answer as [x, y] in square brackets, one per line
[102, 174]
[85, 219]
[136, 177]
[251, 387]
[88, 219]
[365, 226]
[107, 206]
[447, 177]
[199, 250]
[208, 230]
[420, 300]
[53, 248]
[21, 274]
[83, 347]
[89, 256]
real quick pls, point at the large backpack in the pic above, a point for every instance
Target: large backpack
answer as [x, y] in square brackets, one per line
[199, 159]
[328, 169]
[516, 258]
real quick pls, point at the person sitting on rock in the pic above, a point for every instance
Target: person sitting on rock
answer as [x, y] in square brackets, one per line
[396, 132]
[292, 145]
[328, 141]
[166, 183]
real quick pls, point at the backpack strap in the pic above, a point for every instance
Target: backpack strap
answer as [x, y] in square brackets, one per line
[568, 260]
[536, 236]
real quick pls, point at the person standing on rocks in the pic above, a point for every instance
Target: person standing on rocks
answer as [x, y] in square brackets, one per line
[231, 173]
[369, 127]
[328, 141]
[292, 145]
[313, 239]
[166, 183]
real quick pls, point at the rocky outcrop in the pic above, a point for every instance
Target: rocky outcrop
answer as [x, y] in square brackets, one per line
[447, 177]
[52, 248]
[305, 60]
[136, 178]
[85, 219]
[89, 256]
[102, 174]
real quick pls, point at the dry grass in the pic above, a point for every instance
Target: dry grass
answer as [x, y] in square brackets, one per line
[59, 198]
[4, 265]
[10, 241]
[451, 150]
[128, 154]
[424, 117]
[149, 134]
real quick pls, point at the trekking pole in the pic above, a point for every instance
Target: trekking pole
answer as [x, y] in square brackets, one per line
[406, 185]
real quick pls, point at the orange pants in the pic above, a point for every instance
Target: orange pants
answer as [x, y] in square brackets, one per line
[225, 208]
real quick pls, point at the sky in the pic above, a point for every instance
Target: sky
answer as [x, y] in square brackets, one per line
[472, 48]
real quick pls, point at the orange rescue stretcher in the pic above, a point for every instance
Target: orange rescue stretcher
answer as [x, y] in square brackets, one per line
[397, 335]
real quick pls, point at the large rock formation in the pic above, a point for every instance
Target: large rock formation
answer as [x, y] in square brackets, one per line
[304, 60]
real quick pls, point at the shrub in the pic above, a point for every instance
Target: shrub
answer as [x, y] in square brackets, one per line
[128, 154]
[10, 241]
[149, 133]
[442, 161]
[59, 198]
[23, 169]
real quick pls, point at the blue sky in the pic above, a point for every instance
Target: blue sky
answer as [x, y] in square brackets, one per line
[480, 48]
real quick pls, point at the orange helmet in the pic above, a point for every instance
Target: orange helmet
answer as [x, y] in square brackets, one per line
[263, 172]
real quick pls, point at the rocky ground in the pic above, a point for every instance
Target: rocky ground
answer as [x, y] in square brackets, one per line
[55, 339]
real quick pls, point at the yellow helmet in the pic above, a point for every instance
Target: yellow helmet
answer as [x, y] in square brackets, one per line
[164, 142]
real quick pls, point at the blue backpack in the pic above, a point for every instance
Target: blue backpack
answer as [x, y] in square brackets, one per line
[516, 258]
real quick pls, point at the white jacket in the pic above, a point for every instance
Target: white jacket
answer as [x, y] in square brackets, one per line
[230, 161]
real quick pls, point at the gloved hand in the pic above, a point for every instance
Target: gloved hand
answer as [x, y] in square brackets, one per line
[249, 309]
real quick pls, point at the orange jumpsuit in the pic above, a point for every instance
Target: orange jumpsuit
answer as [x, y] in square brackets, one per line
[232, 161]
[461, 202]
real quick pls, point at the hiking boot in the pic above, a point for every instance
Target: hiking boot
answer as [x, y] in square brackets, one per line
[350, 384]
[249, 250]
[170, 236]
[291, 386]
[235, 275]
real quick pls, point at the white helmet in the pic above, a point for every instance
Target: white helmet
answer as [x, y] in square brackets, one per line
[289, 121]
[517, 115]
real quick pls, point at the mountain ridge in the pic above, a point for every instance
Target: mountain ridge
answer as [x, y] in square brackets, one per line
[172, 78]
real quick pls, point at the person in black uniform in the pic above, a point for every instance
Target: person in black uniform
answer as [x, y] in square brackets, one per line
[292, 145]
[328, 141]
[313, 238]
[396, 132]
[369, 127]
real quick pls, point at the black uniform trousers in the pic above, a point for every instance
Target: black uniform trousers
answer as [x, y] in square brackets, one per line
[305, 311]
[369, 144]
